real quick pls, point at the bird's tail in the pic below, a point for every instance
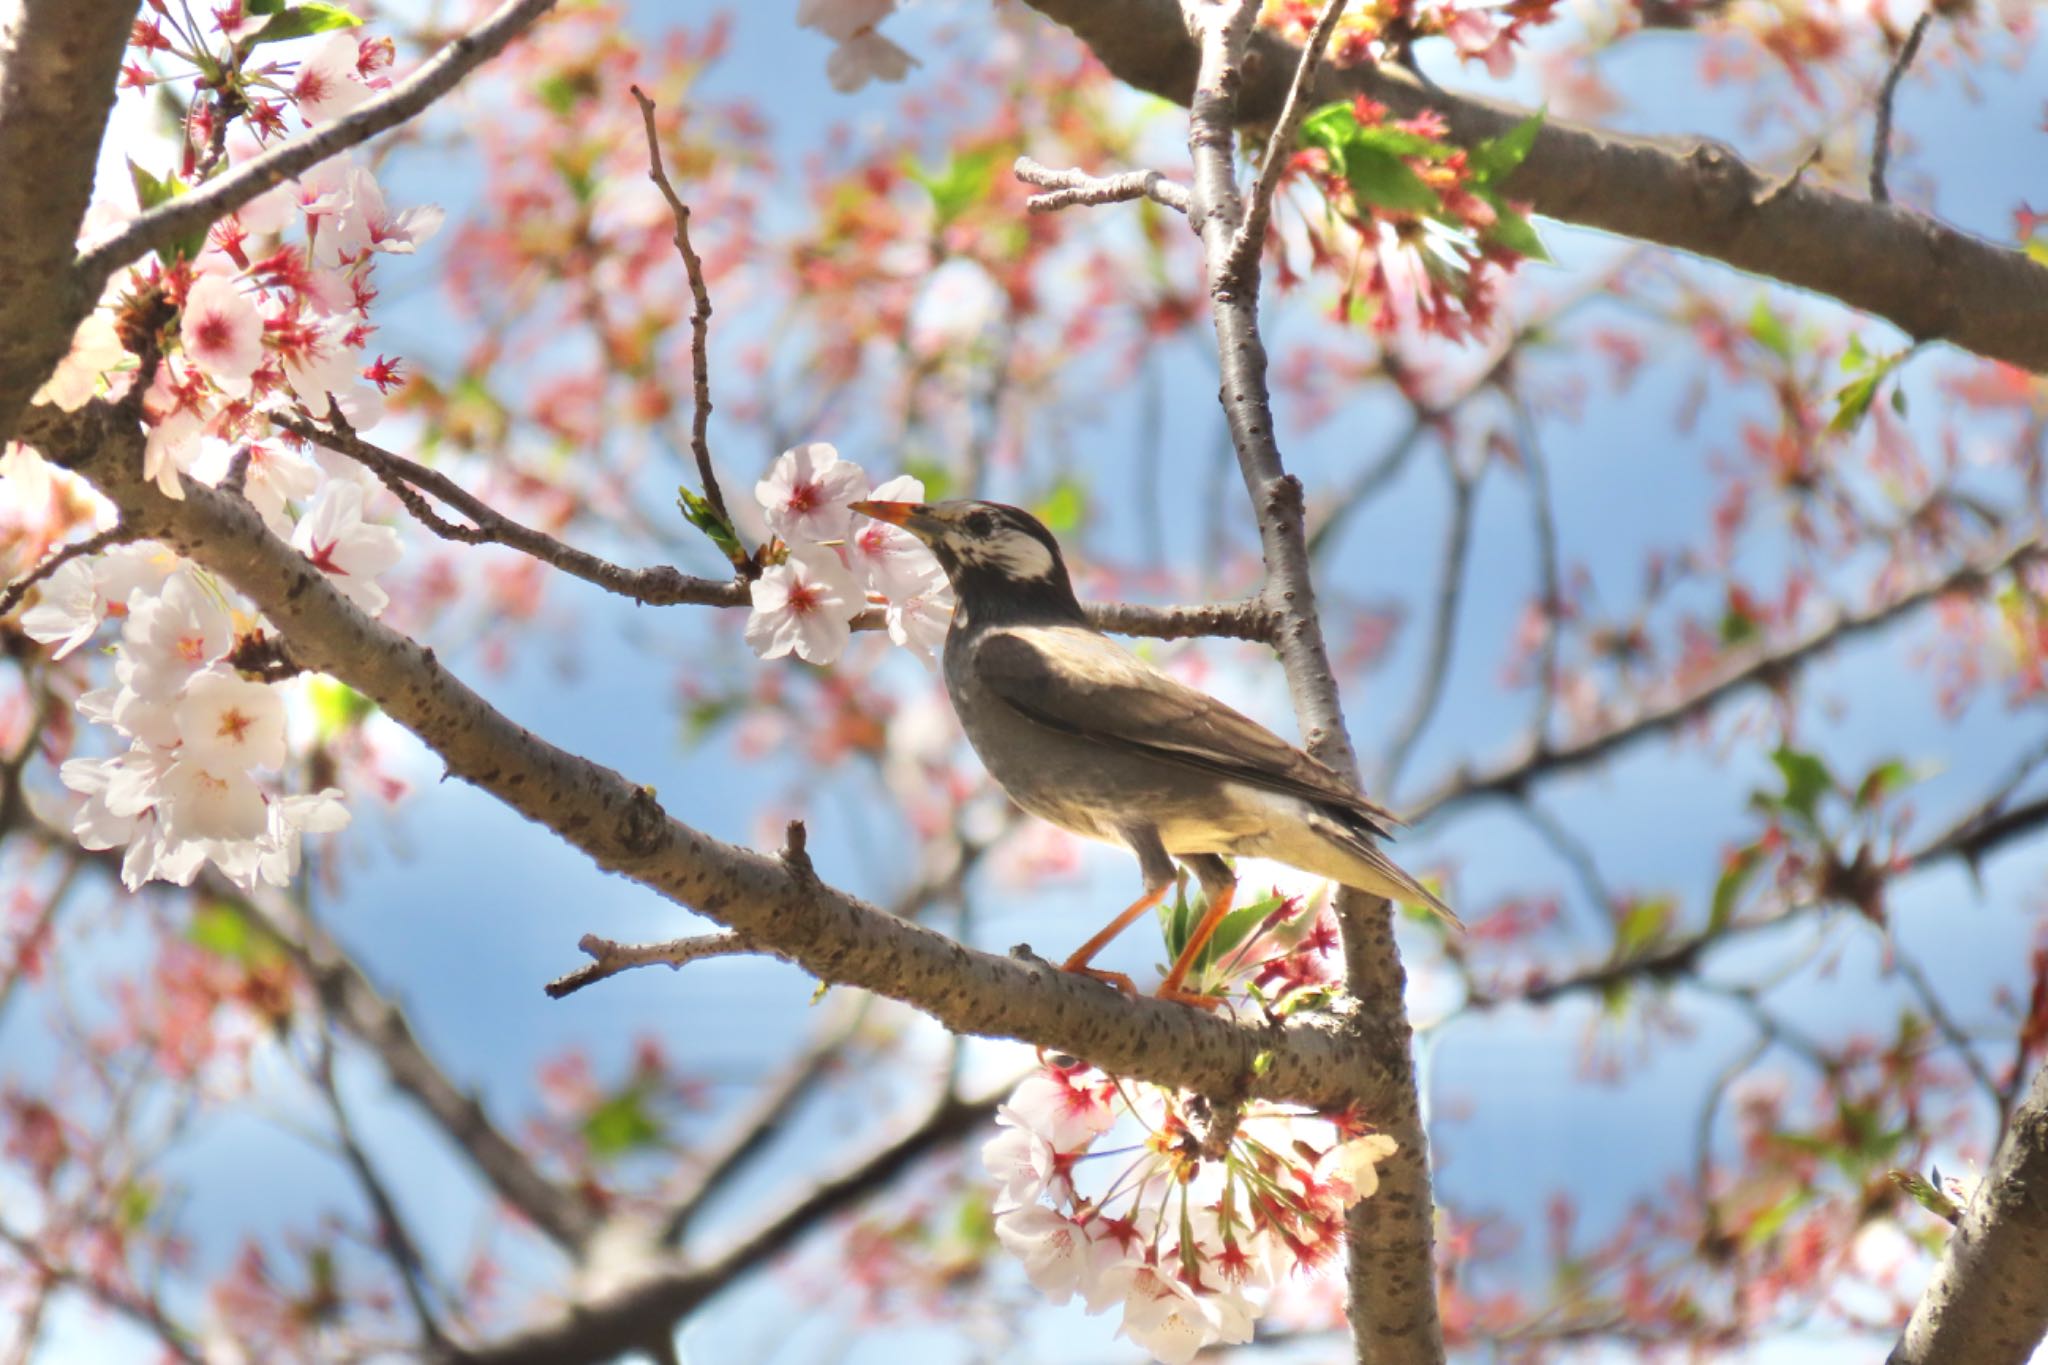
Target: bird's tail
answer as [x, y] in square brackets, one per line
[1373, 871]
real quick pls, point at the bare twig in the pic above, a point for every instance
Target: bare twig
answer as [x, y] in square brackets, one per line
[1764, 664]
[1069, 188]
[57, 559]
[197, 210]
[660, 586]
[700, 338]
[1549, 576]
[1251, 234]
[392, 1234]
[1443, 628]
[1881, 141]
[609, 958]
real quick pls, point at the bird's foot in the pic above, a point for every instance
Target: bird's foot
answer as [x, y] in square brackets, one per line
[1116, 979]
[1183, 996]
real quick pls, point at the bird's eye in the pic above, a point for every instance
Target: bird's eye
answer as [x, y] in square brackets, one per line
[981, 526]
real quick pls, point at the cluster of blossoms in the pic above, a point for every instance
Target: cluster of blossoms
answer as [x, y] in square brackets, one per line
[1199, 1212]
[268, 313]
[1417, 229]
[833, 564]
[1486, 32]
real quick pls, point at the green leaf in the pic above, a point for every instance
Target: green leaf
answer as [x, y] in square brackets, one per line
[1329, 127]
[1899, 399]
[621, 1124]
[1769, 330]
[1927, 1194]
[1642, 926]
[1882, 781]
[1400, 142]
[936, 478]
[1854, 357]
[1807, 780]
[699, 512]
[1737, 627]
[149, 193]
[1513, 231]
[1735, 874]
[301, 21]
[1853, 400]
[2037, 251]
[963, 183]
[337, 707]
[1237, 926]
[1766, 1224]
[1062, 508]
[223, 931]
[1497, 156]
[1384, 180]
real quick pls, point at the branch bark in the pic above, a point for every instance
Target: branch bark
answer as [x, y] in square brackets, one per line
[1391, 1269]
[1988, 1301]
[59, 60]
[837, 938]
[1931, 280]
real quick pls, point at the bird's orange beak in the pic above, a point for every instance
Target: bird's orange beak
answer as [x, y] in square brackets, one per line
[914, 517]
[895, 513]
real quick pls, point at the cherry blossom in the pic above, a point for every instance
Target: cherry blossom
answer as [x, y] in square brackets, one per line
[807, 493]
[1060, 1256]
[222, 333]
[202, 803]
[95, 350]
[803, 604]
[172, 635]
[68, 611]
[328, 84]
[228, 721]
[348, 549]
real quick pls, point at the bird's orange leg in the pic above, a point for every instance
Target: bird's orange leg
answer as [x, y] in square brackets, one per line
[1079, 961]
[1170, 989]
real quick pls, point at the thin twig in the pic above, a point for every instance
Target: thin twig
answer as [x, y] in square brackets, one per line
[1881, 143]
[1068, 188]
[1251, 234]
[1536, 464]
[659, 586]
[1443, 629]
[700, 338]
[57, 559]
[392, 1234]
[609, 958]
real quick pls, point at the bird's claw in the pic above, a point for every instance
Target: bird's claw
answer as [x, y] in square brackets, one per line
[1198, 999]
[1116, 979]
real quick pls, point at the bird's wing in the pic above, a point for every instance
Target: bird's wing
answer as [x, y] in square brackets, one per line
[1073, 680]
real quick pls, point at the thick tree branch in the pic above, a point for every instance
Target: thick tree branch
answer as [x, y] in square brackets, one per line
[1391, 1268]
[58, 63]
[623, 827]
[1927, 278]
[194, 212]
[1988, 1301]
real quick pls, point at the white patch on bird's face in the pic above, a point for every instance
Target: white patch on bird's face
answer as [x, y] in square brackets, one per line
[1014, 554]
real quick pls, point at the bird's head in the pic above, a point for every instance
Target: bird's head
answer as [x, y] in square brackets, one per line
[1003, 563]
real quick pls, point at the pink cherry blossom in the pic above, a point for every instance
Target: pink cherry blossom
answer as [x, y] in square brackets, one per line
[222, 333]
[228, 722]
[200, 802]
[350, 550]
[888, 559]
[803, 604]
[328, 85]
[1026, 1166]
[1161, 1313]
[806, 494]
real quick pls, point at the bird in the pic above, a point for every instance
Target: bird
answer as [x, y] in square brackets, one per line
[1081, 732]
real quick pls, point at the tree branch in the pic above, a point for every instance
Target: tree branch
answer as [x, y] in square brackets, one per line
[1988, 1301]
[1072, 188]
[700, 337]
[1931, 280]
[659, 586]
[624, 829]
[610, 957]
[1762, 665]
[1391, 1270]
[1881, 141]
[58, 64]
